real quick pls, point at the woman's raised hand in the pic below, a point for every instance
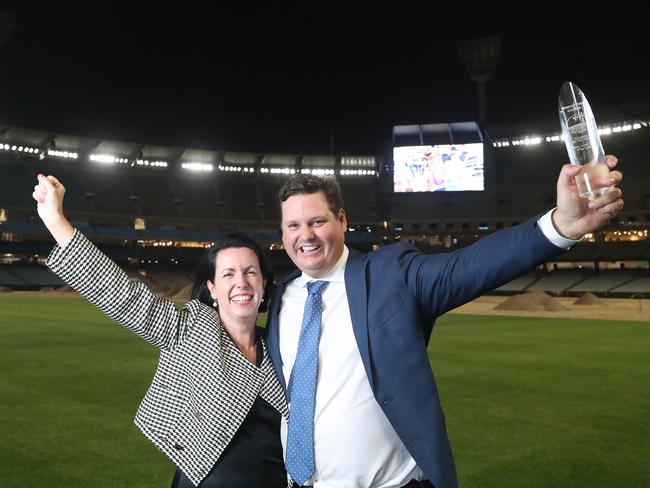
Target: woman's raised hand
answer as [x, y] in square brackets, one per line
[48, 194]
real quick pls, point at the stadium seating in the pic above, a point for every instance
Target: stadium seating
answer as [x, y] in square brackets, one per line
[604, 281]
[177, 205]
[558, 281]
[639, 287]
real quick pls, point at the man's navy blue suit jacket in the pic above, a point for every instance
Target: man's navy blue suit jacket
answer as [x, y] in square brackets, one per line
[395, 295]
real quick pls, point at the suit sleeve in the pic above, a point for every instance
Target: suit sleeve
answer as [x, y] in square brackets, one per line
[97, 278]
[445, 281]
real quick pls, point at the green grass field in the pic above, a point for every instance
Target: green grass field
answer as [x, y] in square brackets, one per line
[529, 402]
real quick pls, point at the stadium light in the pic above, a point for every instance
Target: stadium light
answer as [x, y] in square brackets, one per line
[154, 164]
[616, 128]
[195, 166]
[107, 159]
[62, 154]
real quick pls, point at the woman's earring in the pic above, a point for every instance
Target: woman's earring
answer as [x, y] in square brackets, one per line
[215, 304]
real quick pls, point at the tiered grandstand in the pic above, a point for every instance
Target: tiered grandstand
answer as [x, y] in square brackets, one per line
[154, 208]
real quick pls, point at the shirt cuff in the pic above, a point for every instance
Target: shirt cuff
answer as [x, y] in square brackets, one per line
[548, 229]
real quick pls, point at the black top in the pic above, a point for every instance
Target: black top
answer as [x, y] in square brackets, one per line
[253, 458]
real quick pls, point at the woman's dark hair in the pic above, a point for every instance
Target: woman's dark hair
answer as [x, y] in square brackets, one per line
[206, 268]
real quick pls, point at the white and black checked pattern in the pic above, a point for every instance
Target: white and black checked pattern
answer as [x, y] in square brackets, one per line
[203, 387]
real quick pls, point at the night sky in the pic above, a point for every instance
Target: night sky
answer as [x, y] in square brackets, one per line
[308, 79]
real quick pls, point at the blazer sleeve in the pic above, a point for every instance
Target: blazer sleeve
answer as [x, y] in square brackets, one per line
[100, 280]
[441, 282]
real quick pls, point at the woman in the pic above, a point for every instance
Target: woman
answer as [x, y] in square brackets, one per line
[215, 404]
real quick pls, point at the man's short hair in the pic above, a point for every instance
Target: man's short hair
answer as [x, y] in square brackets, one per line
[306, 184]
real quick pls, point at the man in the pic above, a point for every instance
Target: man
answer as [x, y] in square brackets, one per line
[378, 422]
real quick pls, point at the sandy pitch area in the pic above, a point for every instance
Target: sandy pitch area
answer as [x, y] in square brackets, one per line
[608, 309]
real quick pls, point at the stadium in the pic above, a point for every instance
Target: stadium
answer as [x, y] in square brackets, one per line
[154, 209]
[544, 380]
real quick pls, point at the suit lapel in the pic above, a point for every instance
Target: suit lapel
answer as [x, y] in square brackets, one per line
[273, 327]
[356, 290]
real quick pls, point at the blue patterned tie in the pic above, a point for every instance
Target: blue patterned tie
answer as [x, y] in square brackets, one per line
[302, 389]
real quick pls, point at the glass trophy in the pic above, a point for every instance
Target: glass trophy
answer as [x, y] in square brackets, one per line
[582, 141]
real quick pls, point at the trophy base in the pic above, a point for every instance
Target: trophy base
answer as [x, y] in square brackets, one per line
[593, 181]
[591, 194]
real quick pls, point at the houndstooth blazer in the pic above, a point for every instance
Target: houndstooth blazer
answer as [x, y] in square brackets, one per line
[203, 387]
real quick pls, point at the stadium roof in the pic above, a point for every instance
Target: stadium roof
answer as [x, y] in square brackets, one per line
[310, 80]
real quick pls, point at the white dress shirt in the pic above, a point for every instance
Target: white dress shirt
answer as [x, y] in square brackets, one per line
[355, 446]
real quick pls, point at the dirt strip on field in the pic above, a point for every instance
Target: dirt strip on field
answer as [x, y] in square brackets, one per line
[605, 309]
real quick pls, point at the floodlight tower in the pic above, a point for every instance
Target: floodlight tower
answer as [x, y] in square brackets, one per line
[480, 57]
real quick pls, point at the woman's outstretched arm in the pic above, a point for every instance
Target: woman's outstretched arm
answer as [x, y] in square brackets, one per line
[96, 277]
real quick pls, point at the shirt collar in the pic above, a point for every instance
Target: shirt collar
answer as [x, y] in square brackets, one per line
[336, 274]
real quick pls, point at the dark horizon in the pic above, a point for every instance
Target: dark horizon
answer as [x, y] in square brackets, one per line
[268, 81]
